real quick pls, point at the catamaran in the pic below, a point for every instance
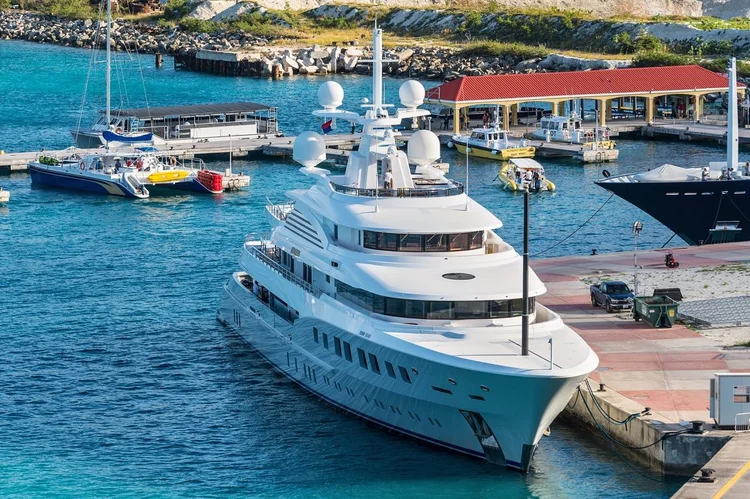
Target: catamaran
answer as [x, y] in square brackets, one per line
[388, 294]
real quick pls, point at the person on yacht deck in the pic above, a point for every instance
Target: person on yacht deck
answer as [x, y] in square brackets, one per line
[388, 180]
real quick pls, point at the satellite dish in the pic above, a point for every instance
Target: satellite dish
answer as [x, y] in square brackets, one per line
[309, 149]
[411, 93]
[423, 148]
[606, 174]
[330, 95]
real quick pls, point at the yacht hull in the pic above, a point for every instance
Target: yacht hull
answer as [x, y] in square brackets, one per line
[64, 180]
[691, 209]
[503, 424]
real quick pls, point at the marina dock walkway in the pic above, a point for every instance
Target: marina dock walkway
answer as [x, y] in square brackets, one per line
[731, 471]
[666, 370]
[239, 146]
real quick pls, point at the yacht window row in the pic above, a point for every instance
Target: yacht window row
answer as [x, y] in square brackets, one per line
[387, 241]
[367, 360]
[433, 310]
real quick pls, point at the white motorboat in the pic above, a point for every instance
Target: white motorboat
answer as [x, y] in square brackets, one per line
[4, 196]
[570, 129]
[392, 297]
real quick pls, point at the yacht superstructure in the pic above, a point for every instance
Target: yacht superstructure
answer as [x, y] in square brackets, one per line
[389, 295]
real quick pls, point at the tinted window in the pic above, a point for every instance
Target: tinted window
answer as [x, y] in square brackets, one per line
[315, 334]
[395, 307]
[389, 368]
[475, 240]
[436, 242]
[459, 242]
[371, 239]
[325, 341]
[387, 241]
[410, 242]
[337, 345]
[404, 374]
[362, 358]
[470, 310]
[374, 363]
[439, 310]
[348, 351]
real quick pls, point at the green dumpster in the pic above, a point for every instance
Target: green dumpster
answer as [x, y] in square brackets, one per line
[659, 311]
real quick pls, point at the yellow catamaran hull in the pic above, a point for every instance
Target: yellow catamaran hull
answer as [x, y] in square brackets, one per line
[497, 154]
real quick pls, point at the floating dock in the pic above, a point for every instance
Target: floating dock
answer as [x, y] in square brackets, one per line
[664, 370]
[238, 146]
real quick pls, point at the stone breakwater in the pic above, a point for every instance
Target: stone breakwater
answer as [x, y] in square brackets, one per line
[256, 56]
[145, 38]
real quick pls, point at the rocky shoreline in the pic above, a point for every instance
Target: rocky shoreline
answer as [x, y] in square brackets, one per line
[443, 63]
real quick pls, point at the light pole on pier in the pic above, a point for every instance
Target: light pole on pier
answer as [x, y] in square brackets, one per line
[637, 228]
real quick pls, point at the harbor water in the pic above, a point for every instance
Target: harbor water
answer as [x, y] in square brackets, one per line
[117, 381]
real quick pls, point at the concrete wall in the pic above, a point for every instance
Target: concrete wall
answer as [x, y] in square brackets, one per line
[679, 455]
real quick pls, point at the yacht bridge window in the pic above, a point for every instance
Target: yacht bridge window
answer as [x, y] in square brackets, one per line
[387, 241]
[432, 310]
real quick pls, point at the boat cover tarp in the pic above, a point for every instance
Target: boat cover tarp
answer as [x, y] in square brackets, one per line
[669, 173]
[128, 139]
[526, 163]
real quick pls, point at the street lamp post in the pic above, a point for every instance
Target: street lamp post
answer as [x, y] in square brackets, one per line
[637, 228]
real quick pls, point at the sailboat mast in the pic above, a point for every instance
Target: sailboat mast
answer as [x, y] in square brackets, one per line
[109, 59]
[377, 69]
[732, 127]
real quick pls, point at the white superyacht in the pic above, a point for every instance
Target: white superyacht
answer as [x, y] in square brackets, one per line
[401, 304]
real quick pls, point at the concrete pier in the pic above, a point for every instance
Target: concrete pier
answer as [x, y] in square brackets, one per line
[730, 470]
[664, 370]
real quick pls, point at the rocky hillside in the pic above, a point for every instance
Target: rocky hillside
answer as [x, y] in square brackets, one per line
[205, 9]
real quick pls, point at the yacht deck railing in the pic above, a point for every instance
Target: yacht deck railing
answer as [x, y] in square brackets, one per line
[442, 190]
[261, 253]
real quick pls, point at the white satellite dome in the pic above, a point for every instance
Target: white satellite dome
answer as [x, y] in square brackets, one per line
[411, 93]
[309, 149]
[423, 148]
[330, 95]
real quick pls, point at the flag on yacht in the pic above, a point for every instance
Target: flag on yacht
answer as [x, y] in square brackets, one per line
[327, 126]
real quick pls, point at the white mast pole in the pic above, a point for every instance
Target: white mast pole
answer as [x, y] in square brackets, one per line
[377, 69]
[109, 59]
[732, 127]
[230, 154]
[466, 185]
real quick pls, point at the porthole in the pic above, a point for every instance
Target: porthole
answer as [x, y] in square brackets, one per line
[452, 381]
[414, 371]
[484, 388]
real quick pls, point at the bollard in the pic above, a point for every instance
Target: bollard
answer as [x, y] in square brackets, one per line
[158, 61]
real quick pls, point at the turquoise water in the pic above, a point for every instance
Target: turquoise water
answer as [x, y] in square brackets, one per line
[116, 380]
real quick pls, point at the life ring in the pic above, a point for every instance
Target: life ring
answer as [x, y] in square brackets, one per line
[83, 165]
[118, 130]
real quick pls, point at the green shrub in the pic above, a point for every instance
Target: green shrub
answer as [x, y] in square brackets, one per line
[497, 49]
[193, 25]
[176, 9]
[660, 58]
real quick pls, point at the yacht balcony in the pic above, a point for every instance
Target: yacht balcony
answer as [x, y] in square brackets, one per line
[423, 188]
[267, 254]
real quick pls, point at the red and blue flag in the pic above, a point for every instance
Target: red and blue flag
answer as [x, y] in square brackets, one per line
[327, 126]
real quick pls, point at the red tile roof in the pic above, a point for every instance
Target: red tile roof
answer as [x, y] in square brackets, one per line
[619, 82]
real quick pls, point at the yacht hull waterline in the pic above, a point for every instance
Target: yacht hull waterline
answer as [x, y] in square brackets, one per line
[516, 409]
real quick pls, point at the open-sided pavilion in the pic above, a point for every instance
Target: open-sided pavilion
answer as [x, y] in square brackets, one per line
[508, 91]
